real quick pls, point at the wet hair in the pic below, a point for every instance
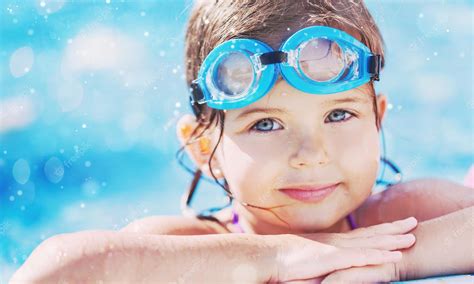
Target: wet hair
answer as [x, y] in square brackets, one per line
[213, 22]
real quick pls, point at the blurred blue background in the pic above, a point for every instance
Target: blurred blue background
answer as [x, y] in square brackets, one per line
[90, 92]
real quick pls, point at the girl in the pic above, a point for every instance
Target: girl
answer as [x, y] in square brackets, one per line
[286, 120]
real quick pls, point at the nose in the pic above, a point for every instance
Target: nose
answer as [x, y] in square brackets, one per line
[310, 151]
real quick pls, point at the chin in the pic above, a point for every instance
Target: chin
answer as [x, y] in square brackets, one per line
[308, 220]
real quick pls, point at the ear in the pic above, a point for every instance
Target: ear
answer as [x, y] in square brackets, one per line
[381, 101]
[199, 149]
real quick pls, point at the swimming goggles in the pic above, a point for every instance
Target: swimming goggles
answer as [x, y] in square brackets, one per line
[316, 60]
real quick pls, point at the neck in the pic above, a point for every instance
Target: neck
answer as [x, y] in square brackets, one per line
[252, 225]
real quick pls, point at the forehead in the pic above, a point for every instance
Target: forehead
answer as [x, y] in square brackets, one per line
[283, 94]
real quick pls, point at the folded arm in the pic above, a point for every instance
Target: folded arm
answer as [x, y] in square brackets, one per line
[109, 256]
[444, 246]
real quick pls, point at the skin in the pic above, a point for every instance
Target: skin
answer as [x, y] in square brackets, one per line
[310, 140]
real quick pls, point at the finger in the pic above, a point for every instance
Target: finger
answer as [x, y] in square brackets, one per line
[356, 257]
[374, 273]
[393, 228]
[384, 242]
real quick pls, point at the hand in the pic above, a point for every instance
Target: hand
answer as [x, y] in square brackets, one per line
[381, 236]
[304, 258]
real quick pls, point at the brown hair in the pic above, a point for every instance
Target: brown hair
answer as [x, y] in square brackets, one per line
[215, 21]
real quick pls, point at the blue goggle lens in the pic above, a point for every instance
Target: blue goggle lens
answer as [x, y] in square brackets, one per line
[321, 59]
[234, 74]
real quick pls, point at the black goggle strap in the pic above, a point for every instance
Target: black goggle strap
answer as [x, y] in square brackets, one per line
[374, 65]
[195, 95]
[273, 57]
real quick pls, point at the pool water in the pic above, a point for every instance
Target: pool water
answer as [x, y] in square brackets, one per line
[91, 90]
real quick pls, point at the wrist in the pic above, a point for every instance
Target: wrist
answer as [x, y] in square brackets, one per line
[270, 260]
[404, 268]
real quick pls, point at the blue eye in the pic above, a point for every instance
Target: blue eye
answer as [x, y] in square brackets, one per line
[338, 115]
[266, 125]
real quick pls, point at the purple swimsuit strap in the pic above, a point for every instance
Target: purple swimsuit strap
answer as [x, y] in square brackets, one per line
[235, 221]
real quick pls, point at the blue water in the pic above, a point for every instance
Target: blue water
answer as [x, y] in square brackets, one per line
[90, 92]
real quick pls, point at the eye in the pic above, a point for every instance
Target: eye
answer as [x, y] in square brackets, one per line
[266, 125]
[338, 115]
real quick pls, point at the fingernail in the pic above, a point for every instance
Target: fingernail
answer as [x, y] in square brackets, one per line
[409, 238]
[410, 220]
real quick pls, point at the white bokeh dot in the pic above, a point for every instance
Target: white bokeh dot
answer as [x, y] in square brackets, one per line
[21, 61]
[54, 170]
[21, 171]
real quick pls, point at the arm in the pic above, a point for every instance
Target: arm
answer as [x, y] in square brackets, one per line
[444, 246]
[109, 256]
[422, 198]
[97, 256]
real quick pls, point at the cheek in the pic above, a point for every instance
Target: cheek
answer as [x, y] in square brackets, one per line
[243, 160]
[356, 151]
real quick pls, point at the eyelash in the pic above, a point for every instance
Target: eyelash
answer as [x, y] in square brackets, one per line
[253, 127]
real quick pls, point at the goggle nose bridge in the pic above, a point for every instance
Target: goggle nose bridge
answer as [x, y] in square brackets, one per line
[273, 57]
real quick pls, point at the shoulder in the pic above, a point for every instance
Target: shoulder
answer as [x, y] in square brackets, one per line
[424, 199]
[177, 225]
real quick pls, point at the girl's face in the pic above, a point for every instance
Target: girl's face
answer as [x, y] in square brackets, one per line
[291, 139]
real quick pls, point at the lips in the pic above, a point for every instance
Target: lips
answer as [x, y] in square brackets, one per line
[310, 193]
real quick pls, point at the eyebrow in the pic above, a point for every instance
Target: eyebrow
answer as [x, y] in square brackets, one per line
[258, 109]
[277, 111]
[358, 100]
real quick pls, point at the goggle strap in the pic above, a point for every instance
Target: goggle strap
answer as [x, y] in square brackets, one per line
[195, 97]
[273, 57]
[196, 92]
[374, 66]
